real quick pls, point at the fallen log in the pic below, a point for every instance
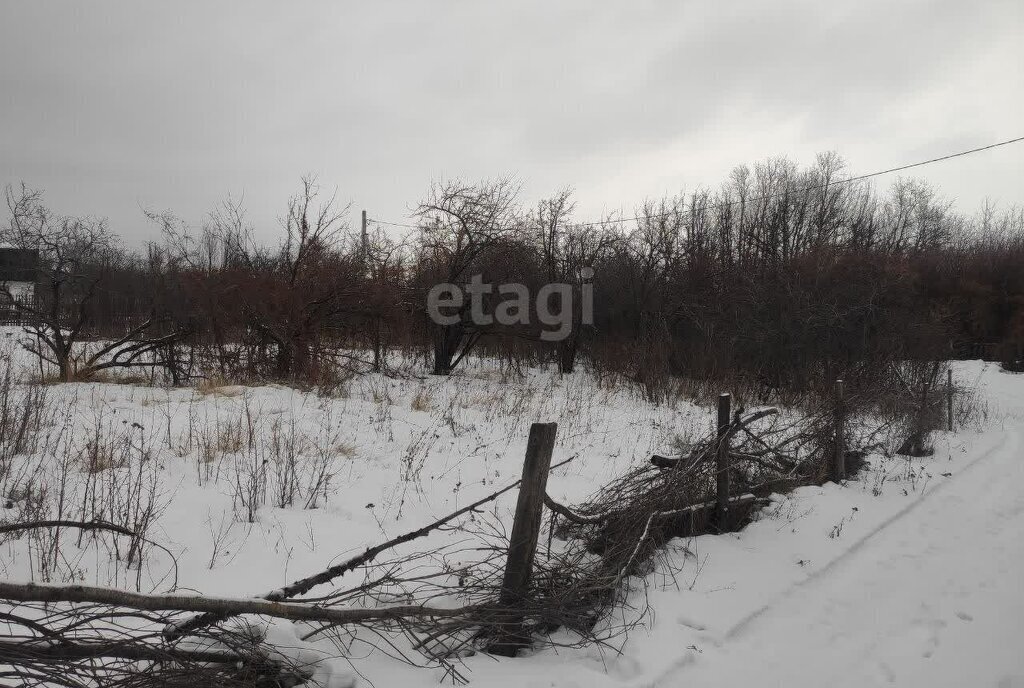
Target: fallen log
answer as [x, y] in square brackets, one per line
[226, 606]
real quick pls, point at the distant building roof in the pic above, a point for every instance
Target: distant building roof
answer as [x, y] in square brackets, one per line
[18, 264]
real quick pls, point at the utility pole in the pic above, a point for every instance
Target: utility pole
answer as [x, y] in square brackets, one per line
[365, 241]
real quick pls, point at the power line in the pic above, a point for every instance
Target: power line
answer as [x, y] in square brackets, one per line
[390, 224]
[840, 182]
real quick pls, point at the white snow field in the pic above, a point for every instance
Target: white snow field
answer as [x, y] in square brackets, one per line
[909, 575]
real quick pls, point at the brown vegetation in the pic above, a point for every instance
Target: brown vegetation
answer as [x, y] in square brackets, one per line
[781, 281]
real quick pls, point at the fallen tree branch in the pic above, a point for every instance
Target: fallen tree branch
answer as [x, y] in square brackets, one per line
[90, 525]
[12, 651]
[569, 514]
[752, 418]
[704, 452]
[304, 585]
[788, 462]
[666, 461]
[226, 606]
[741, 500]
[80, 525]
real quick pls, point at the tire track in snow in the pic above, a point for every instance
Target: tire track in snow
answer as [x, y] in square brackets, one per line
[865, 540]
[927, 628]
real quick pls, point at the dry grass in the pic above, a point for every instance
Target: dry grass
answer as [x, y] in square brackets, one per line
[483, 400]
[421, 401]
[218, 386]
[222, 438]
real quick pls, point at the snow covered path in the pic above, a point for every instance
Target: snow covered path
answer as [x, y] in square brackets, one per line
[933, 597]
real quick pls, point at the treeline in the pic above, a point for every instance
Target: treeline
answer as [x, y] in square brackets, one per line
[786, 277]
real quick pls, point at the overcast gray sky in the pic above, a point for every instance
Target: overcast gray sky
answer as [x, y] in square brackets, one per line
[173, 105]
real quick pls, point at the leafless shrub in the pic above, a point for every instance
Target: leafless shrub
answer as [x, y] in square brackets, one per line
[122, 486]
[970, 408]
[328, 448]
[333, 380]
[285, 446]
[249, 483]
[23, 411]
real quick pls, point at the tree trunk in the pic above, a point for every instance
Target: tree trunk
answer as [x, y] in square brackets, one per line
[172, 364]
[62, 355]
[283, 363]
[446, 342]
[302, 359]
[567, 349]
[377, 345]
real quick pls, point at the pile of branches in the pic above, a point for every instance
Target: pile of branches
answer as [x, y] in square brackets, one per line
[73, 635]
[616, 534]
[594, 550]
[114, 645]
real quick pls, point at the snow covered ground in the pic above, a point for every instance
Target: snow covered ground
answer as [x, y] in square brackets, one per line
[909, 575]
[931, 596]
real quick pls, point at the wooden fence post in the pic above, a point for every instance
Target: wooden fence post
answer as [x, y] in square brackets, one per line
[839, 450]
[525, 531]
[949, 399]
[722, 462]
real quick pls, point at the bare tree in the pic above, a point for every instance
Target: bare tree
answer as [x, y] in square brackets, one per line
[289, 294]
[568, 255]
[461, 223]
[78, 257]
[384, 273]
